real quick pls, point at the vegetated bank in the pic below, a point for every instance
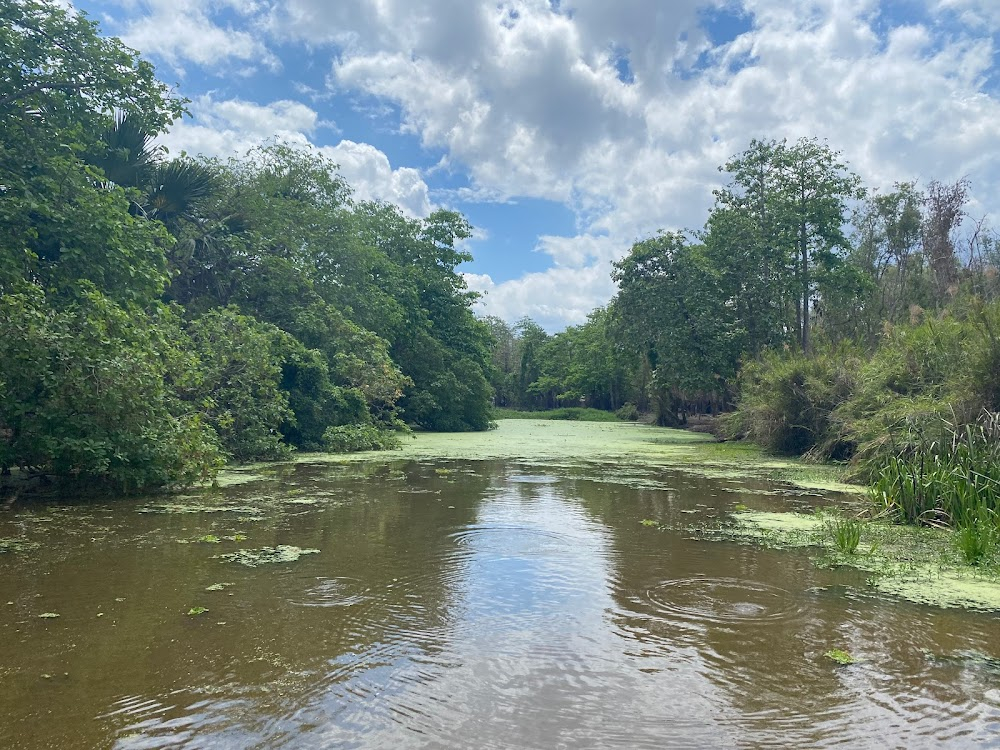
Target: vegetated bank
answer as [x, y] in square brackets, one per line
[163, 315]
[822, 319]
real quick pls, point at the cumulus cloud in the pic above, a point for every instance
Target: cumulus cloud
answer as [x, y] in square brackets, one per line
[233, 126]
[368, 170]
[186, 30]
[622, 111]
[533, 102]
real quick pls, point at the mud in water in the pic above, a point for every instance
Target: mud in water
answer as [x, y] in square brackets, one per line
[455, 603]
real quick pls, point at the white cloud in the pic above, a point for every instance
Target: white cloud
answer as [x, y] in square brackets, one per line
[368, 171]
[531, 102]
[184, 30]
[233, 126]
[553, 298]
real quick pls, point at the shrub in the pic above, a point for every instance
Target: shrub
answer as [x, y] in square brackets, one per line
[351, 438]
[85, 395]
[628, 413]
[787, 399]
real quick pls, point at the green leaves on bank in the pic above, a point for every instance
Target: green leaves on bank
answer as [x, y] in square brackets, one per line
[162, 315]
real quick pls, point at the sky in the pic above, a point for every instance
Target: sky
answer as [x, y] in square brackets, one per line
[566, 130]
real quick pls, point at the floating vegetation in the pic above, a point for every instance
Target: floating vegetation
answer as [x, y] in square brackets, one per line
[569, 444]
[17, 544]
[918, 564]
[283, 553]
[219, 586]
[648, 522]
[195, 611]
[840, 656]
[185, 508]
[48, 615]
[213, 539]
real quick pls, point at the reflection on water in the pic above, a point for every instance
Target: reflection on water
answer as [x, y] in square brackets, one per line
[465, 604]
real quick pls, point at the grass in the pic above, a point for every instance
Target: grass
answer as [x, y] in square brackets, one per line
[951, 477]
[846, 534]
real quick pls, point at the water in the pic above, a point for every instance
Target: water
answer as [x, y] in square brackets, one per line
[464, 604]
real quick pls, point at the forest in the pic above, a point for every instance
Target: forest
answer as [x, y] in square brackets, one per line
[161, 315]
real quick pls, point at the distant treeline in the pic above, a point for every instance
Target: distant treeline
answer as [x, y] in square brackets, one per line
[161, 315]
[834, 319]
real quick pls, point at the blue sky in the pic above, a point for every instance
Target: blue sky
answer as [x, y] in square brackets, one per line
[565, 131]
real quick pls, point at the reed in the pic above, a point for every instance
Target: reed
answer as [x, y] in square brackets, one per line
[949, 477]
[846, 534]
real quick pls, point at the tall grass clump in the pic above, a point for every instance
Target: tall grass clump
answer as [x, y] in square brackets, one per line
[948, 475]
[846, 534]
[788, 399]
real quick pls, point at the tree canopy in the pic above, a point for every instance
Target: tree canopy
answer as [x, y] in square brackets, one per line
[161, 315]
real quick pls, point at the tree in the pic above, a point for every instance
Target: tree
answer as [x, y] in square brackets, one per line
[673, 309]
[84, 394]
[61, 86]
[789, 202]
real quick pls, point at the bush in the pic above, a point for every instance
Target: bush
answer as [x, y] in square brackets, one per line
[84, 395]
[628, 413]
[787, 400]
[351, 438]
[236, 382]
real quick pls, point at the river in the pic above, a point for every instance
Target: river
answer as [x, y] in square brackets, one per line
[509, 601]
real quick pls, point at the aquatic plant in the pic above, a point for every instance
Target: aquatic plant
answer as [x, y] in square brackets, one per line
[941, 473]
[254, 557]
[195, 611]
[846, 534]
[648, 522]
[840, 656]
[976, 539]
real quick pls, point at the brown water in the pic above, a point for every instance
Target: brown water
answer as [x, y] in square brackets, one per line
[493, 606]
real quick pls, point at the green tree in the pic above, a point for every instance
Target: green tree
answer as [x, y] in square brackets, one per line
[781, 220]
[83, 394]
[61, 86]
[673, 309]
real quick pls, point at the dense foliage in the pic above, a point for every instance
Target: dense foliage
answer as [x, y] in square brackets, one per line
[839, 323]
[160, 316]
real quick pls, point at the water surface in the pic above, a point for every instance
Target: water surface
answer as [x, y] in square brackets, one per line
[461, 603]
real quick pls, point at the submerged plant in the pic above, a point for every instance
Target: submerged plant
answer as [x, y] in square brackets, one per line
[846, 533]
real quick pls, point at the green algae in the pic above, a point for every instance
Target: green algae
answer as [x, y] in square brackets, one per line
[206, 507]
[17, 544]
[840, 656]
[917, 564]
[251, 558]
[567, 444]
